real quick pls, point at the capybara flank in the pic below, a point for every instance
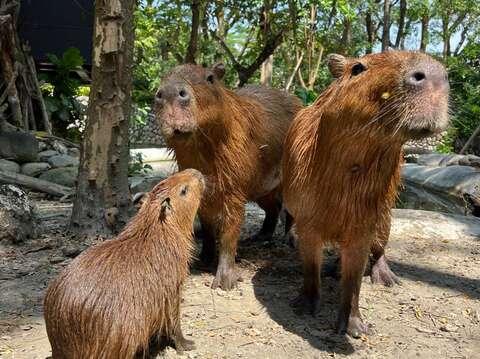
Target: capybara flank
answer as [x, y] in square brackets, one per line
[122, 297]
[341, 163]
[235, 138]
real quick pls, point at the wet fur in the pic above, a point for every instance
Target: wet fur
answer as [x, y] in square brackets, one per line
[120, 295]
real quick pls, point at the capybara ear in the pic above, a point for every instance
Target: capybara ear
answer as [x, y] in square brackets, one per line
[219, 70]
[165, 208]
[336, 64]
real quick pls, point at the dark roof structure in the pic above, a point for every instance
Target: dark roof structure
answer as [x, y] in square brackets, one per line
[52, 26]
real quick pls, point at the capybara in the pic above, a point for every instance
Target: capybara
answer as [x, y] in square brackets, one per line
[341, 163]
[235, 138]
[121, 297]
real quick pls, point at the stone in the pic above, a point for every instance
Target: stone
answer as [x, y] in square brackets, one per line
[71, 251]
[42, 146]
[445, 189]
[17, 217]
[144, 184]
[452, 160]
[63, 161]
[18, 146]
[60, 147]
[474, 160]
[431, 159]
[65, 176]
[74, 152]
[35, 168]
[9, 166]
[45, 155]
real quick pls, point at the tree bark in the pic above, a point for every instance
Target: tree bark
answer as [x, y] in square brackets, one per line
[386, 25]
[103, 172]
[424, 36]
[369, 25]
[193, 43]
[266, 72]
[401, 23]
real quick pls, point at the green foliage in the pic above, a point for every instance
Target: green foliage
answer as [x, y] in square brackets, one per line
[137, 167]
[60, 89]
[307, 96]
[464, 78]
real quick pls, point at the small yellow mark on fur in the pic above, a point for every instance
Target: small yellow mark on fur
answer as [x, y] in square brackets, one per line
[386, 95]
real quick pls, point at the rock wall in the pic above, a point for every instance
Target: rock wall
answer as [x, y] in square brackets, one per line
[146, 135]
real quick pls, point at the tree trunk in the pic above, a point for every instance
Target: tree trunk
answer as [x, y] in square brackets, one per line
[424, 36]
[401, 23]
[370, 31]
[266, 72]
[103, 173]
[193, 43]
[386, 25]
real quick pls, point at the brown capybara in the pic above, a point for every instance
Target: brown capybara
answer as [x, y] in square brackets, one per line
[341, 163]
[235, 138]
[122, 297]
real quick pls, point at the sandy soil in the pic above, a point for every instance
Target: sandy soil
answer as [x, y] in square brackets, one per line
[434, 314]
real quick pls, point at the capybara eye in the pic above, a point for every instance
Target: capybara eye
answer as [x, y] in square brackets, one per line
[210, 78]
[358, 68]
[184, 191]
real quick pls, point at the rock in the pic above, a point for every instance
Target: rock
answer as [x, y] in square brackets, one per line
[71, 251]
[9, 166]
[432, 159]
[45, 155]
[63, 161]
[17, 218]
[18, 146]
[66, 176]
[60, 147]
[452, 160]
[56, 259]
[144, 184]
[42, 146]
[445, 189]
[433, 226]
[474, 160]
[74, 152]
[35, 168]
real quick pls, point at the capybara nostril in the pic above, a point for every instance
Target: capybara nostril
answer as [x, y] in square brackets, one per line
[159, 94]
[416, 78]
[183, 96]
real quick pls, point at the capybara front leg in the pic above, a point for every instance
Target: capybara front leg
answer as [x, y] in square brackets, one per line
[181, 343]
[226, 277]
[272, 205]
[311, 255]
[354, 256]
[207, 255]
[381, 272]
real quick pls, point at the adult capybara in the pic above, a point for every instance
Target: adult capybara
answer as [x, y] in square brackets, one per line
[235, 138]
[341, 162]
[119, 298]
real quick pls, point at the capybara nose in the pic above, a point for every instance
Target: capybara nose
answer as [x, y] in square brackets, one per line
[429, 75]
[183, 96]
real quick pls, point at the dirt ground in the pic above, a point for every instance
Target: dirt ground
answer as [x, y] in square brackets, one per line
[434, 314]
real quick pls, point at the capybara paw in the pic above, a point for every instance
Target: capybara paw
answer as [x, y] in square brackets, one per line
[184, 345]
[226, 279]
[382, 274]
[305, 304]
[355, 327]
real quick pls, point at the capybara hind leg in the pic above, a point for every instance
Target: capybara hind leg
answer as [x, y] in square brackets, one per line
[226, 276]
[208, 234]
[181, 343]
[272, 205]
[381, 272]
[354, 256]
[311, 254]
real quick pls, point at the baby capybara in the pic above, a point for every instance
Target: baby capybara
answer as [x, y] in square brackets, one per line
[120, 297]
[235, 138]
[341, 162]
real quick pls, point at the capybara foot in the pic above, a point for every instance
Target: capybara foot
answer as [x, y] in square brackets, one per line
[355, 327]
[183, 344]
[226, 278]
[382, 274]
[305, 304]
